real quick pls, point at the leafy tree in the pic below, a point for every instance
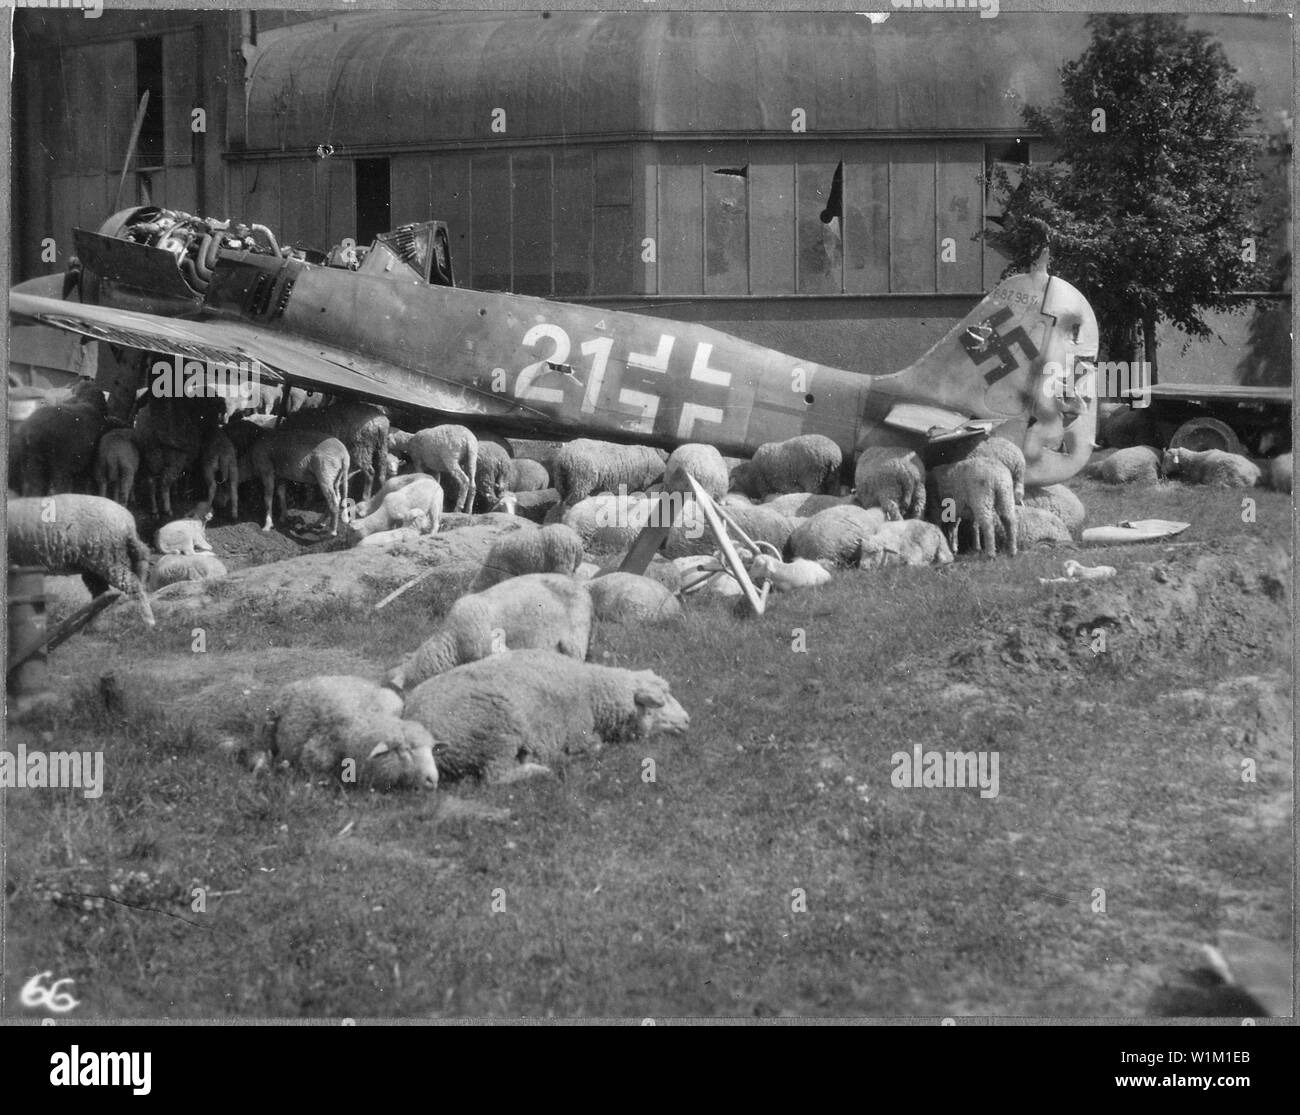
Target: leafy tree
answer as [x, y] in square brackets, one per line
[1151, 206]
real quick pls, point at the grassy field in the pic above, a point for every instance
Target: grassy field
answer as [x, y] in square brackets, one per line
[770, 868]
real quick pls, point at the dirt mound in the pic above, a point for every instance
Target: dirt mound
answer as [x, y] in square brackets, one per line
[240, 545]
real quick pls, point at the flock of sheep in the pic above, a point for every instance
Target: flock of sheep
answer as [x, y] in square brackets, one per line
[501, 688]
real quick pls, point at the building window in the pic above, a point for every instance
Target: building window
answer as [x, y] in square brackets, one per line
[149, 79]
[374, 199]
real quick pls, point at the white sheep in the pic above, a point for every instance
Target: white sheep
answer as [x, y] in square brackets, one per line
[702, 462]
[807, 463]
[527, 475]
[1036, 525]
[892, 479]
[492, 471]
[906, 542]
[362, 427]
[803, 505]
[509, 716]
[451, 452]
[549, 549]
[836, 535]
[171, 568]
[760, 522]
[546, 610]
[351, 729]
[185, 536]
[117, 460]
[1010, 456]
[89, 535]
[705, 573]
[1279, 473]
[978, 489]
[404, 501]
[585, 467]
[303, 457]
[660, 569]
[1211, 466]
[620, 597]
[786, 576]
[739, 499]
[617, 518]
[1136, 464]
[1059, 500]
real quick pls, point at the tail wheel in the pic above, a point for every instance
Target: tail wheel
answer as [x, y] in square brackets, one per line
[1206, 433]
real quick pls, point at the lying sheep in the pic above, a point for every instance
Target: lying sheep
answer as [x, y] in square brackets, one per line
[620, 597]
[585, 467]
[618, 517]
[786, 576]
[1010, 456]
[173, 568]
[704, 573]
[89, 535]
[1279, 473]
[117, 460]
[760, 522]
[545, 610]
[404, 501]
[1060, 501]
[526, 475]
[660, 569]
[1210, 466]
[303, 457]
[803, 505]
[185, 536]
[906, 542]
[549, 549]
[1037, 526]
[351, 729]
[702, 462]
[980, 490]
[491, 473]
[1138, 464]
[807, 463]
[509, 716]
[219, 466]
[836, 535]
[451, 452]
[892, 479]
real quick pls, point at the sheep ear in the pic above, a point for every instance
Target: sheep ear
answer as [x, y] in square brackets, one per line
[380, 749]
[650, 692]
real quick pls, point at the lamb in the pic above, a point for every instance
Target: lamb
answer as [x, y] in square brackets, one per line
[1211, 466]
[1136, 464]
[219, 465]
[399, 442]
[117, 460]
[526, 475]
[836, 535]
[449, 451]
[549, 549]
[807, 463]
[1279, 473]
[979, 489]
[620, 597]
[704, 463]
[349, 728]
[906, 542]
[892, 479]
[506, 718]
[185, 536]
[1059, 500]
[802, 505]
[492, 471]
[584, 467]
[172, 568]
[81, 534]
[414, 501]
[362, 427]
[787, 576]
[1036, 525]
[1010, 456]
[545, 610]
[301, 456]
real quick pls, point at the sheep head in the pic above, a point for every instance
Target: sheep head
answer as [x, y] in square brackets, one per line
[657, 710]
[403, 759]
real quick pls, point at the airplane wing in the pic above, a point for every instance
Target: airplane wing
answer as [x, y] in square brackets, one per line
[937, 424]
[281, 356]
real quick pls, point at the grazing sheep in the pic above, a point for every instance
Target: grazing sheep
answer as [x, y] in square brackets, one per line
[760, 522]
[403, 501]
[892, 479]
[505, 718]
[1037, 525]
[1211, 466]
[89, 535]
[1136, 464]
[549, 549]
[491, 473]
[185, 536]
[54, 448]
[620, 597]
[362, 427]
[399, 441]
[526, 475]
[585, 467]
[1059, 500]
[117, 459]
[351, 729]
[836, 535]
[802, 505]
[172, 568]
[449, 452]
[545, 610]
[219, 465]
[981, 490]
[1279, 473]
[807, 463]
[906, 542]
[704, 463]
[301, 456]
[786, 576]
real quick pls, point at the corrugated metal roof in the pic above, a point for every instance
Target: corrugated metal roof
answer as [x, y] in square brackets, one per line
[413, 79]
